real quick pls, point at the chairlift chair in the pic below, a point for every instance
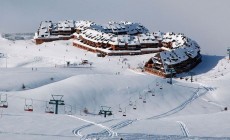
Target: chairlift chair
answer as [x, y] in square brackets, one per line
[140, 97]
[124, 113]
[28, 107]
[157, 84]
[100, 112]
[69, 112]
[135, 106]
[144, 100]
[49, 109]
[3, 103]
[120, 110]
[130, 103]
[153, 93]
[110, 113]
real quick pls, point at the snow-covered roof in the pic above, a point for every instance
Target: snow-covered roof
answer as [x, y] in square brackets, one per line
[48, 29]
[84, 24]
[66, 25]
[182, 49]
[99, 36]
[180, 54]
[147, 38]
[177, 40]
[122, 27]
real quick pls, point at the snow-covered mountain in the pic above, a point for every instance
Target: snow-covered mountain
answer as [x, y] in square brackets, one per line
[17, 36]
[144, 106]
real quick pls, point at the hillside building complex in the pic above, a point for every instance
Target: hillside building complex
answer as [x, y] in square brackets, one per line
[172, 52]
[49, 31]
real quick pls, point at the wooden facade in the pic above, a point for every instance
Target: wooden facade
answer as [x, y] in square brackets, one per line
[42, 40]
[184, 66]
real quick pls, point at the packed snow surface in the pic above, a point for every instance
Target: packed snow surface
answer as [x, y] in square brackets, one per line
[143, 106]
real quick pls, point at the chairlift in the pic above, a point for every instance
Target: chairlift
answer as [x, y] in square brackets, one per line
[149, 90]
[157, 84]
[140, 97]
[130, 102]
[69, 112]
[153, 92]
[49, 109]
[124, 113]
[120, 110]
[3, 102]
[28, 107]
[135, 106]
[105, 110]
[144, 100]
[110, 113]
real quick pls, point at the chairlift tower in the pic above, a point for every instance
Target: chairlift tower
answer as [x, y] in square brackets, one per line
[191, 74]
[172, 71]
[105, 110]
[57, 100]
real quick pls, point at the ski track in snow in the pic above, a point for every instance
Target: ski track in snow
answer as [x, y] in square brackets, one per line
[76, 132]
[180, 107]
[117, 126]
[107, 132]
[184, 129]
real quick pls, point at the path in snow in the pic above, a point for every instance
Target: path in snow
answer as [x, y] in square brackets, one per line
[111, 133]
[105, 134]
[184, 129]
[182, 106]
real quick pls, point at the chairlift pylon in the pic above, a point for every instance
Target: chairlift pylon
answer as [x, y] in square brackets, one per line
[105, 110]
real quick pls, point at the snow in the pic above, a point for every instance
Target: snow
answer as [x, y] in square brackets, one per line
[178, 111]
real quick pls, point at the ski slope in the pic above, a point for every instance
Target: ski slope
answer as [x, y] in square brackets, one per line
[193, 110]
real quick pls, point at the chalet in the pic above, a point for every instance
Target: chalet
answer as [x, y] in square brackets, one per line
[115, 38]
[178, 53]
[49, 31]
